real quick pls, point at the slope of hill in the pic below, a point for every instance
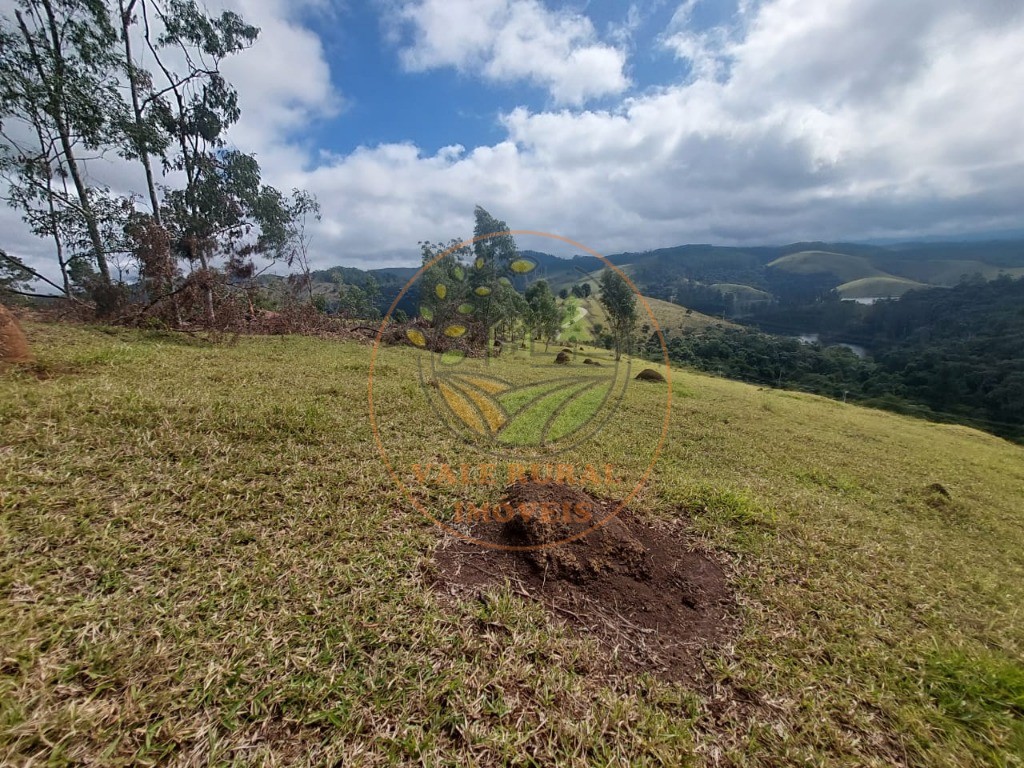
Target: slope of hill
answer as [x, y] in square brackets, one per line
[671, 319]
[204, 560]
[674, 319]
[713, 278]
[743, 292]
[878, 287]
[844, 267]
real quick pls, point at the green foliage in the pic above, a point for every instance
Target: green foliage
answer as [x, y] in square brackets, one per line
[64, 65]
[14, 275]
[59, 99]
[545, 317]
[619, 301]
[947, 354]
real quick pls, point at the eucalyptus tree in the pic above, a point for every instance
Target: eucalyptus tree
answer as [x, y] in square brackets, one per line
[619, 301]
[59, 106]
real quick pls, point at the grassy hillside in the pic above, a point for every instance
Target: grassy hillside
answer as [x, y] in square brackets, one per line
[843, 266]
[671, 318]
[202, 560]
[742, 292]
[870, 287]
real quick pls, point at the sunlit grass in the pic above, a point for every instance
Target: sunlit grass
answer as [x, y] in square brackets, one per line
[203, 560]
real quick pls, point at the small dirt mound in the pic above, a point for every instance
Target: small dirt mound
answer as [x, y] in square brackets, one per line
[938, 497]
[566, 349]
[588, 361]
[13, 344]
[649, 374]
[562, 358]
[646, 593]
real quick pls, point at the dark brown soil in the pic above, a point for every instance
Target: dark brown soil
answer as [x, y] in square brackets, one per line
[13, 344]
[649, 374]
[562, 357]
[647, 593]
[588, 361]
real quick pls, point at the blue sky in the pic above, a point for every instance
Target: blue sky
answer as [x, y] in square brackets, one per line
[387, 103]
[627, 126]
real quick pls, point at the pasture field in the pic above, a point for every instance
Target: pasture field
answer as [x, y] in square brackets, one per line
[203, 561]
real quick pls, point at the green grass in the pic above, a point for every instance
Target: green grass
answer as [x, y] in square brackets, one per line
[871, 287]
[203, 560]
[742, 292]
[845, 267]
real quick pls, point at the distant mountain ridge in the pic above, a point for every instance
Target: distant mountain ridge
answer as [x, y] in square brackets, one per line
[683, 274]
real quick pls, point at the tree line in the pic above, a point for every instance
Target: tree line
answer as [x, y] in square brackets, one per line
[74, 91]
[947, 354]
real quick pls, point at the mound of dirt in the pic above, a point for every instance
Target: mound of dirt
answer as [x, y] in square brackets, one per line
[649, 374]
[562, 358]
[588, 361]
[648, 594]
[13, 344]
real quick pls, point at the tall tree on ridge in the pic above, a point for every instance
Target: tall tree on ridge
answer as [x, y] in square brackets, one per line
[619, 302]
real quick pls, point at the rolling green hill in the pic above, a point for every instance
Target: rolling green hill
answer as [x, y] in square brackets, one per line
[844, 267]
[205, 560]
[883, 287]
[671, 318]
[743, 292]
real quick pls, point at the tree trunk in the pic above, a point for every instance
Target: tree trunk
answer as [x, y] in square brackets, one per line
[147, 165]
[133, 82]
[56, 111]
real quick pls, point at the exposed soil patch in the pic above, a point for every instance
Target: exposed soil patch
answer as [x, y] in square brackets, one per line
[13, 344]
[646, 592]
[563, 357]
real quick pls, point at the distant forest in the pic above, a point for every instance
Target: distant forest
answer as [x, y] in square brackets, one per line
[947, 354]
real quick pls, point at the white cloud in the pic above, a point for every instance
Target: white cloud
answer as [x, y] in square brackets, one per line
[511, 40]
[866, 119]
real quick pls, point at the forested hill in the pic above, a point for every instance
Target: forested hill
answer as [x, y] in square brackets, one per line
[953, 354]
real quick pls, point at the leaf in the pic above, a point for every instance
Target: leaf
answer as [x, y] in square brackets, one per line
[441, 290]
[483, 290]
[416, 337]
[427, 313]
[455, 331]
[466, 309]
[459, 273]
[479, 263]
[522, 266]
[555, 414]
[505, 281]
[453, 357]
[488, 384]
[477, 410]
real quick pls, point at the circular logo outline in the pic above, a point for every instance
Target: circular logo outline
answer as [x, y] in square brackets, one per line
[411, 497]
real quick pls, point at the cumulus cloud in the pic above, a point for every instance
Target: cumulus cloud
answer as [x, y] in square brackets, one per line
[856, 119]
[511, 40]
[845, 120]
